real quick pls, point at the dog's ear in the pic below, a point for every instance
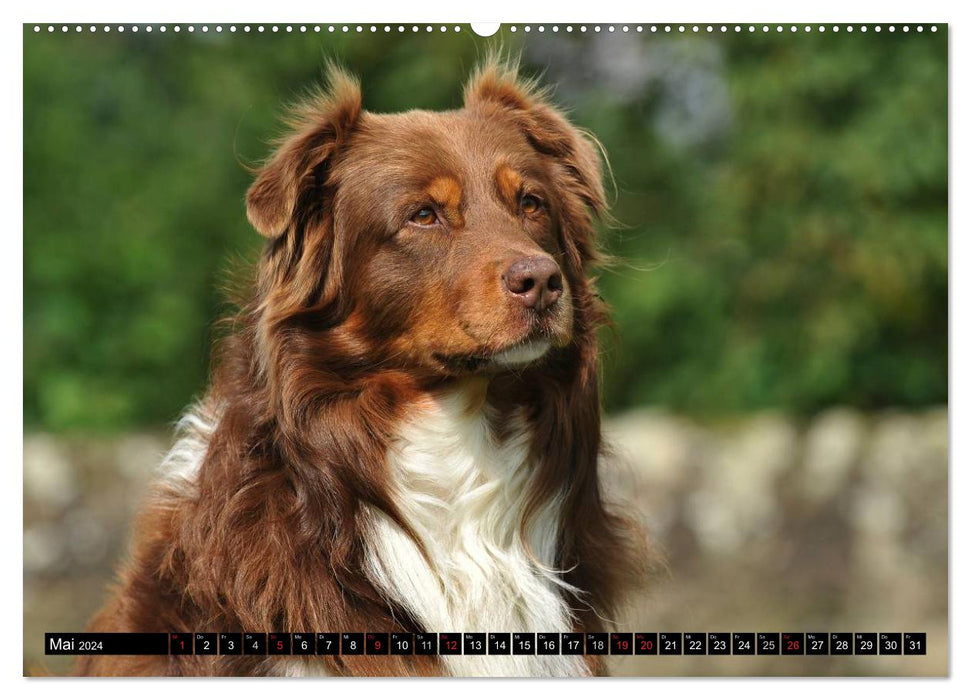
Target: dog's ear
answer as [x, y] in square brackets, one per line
[318, 127]
[496, 86]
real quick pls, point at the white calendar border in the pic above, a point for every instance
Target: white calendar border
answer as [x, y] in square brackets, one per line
[437, 11]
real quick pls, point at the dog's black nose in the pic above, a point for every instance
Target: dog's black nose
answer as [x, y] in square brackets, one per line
[535, 281]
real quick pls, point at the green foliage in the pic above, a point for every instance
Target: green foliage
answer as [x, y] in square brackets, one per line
[795, 258]
[804, 261]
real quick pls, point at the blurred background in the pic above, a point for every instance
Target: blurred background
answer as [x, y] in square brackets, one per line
[778, 373]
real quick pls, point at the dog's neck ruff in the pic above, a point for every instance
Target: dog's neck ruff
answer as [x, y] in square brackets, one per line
[464, 494]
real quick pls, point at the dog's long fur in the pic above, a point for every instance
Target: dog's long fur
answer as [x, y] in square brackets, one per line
[379, 450]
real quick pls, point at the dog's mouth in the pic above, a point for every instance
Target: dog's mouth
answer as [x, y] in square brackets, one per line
[513, 357]
[521, 354]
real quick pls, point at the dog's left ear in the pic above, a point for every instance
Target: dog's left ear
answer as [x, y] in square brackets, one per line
[497, 86]
[319, 127]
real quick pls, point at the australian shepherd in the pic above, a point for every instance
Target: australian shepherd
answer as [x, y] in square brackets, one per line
[402, 430]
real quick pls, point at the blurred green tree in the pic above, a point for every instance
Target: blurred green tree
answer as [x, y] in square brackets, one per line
[802, 258]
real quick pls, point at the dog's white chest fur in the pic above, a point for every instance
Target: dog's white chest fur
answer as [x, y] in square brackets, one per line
[464, 494]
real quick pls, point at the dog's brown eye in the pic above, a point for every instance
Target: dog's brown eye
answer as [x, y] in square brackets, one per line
[529, 204]
[425, 216]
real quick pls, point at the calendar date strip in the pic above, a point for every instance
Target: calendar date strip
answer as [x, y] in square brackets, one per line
[491, 643]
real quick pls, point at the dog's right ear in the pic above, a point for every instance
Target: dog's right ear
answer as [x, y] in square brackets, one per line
[318, 127]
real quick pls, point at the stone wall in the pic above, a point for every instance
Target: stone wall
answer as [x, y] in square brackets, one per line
[838, 523]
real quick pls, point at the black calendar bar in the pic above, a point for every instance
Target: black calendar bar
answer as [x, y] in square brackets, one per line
[95, 643]
[490, 643]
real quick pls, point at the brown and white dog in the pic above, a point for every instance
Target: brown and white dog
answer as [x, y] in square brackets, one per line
[402, 431]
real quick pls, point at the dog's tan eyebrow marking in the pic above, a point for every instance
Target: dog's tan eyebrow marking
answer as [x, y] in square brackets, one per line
[446, 191]
[509, 182]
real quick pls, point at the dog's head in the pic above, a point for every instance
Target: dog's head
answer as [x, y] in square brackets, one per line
[444, 243]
